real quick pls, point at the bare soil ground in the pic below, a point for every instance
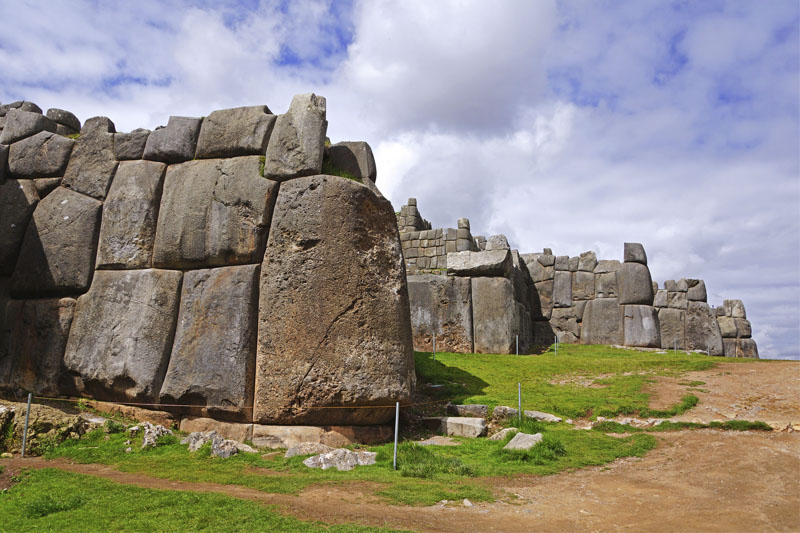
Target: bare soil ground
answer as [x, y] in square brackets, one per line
[702, 480]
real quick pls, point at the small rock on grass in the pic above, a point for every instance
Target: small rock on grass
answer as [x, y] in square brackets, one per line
[438, 440]
[308, 448]
[500, 435]
[467, 503]
[341, 459]
[152, 433]
[523, 441]
[543, 417]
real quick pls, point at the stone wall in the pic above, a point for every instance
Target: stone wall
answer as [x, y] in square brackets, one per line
[426, 249]
[207, 267]
[536, 298]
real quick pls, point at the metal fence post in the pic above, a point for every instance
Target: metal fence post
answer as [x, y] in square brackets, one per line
[517, 344]
[396, 427]
[434, 346]
[27, 417]
[519, 400]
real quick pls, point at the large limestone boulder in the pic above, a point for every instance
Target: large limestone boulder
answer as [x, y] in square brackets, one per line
[497, 242]
[634, 284]
[587, 262]
[18, 199]
[727, 327]
[174, 143]
[495, 263]
[130, 213]
[495, 315]
[536, 269]
[672, 325]
[130, 146]
[541, 299]
[334, 321]
[562, 289]
[602, 322]
[355, 158]
[641, 327]
[93, 163]
[441, 305]
[734, 308]
[41, 156]
[743, 328]
[65, 118]
[214, 212]
[565, 322]
[121, 336]
[37, 333]
[634, 253]
[583, 285]
[297, 143]
[702, 330]
[697, 290]
[58, 252]
[21, 124]
[235, 132]
[214, 352]
[740, 348]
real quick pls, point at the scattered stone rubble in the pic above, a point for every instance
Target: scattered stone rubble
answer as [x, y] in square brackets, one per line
[341, 459]
[477, 295]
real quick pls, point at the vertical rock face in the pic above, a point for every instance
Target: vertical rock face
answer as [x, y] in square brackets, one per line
[174, 143]
[334, 327]
[40, 156]
[562, 289]
[235, 132]
[129, 216]
[671, 322]
[297, 142]
[37, 333]
[129, 146]
[214, 212]
[641, 327]
[355, 158]
[495, 317]
[565, 322]
[702, 330]
[93, 163]
[602, 322]
[213, 357]
[634, 284]
[58, 252]
[18, 199]
[441, 305]
[583, 285]
[121, 336]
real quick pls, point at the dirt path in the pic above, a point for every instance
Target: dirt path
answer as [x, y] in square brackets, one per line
[702, 480]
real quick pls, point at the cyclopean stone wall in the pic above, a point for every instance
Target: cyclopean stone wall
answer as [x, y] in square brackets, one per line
[207, 267]
[496, 300]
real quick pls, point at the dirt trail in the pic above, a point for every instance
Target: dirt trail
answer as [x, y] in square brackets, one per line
[702, 480]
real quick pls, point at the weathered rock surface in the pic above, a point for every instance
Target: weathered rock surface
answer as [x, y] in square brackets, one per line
[214, 212]
[697, 291]
[495, 317]
[565, 323]
[93, 163]
[21, 124]
[562, 263]
[58, 252]
[542, 292]
[174, 143]
[743, 328]
[702, 330]
[130, 213]
[469, 410]
[130, 146]
[583, 285]
[45, 186]
[334, 325]
[458, 426]
[606, 266]
[740, 348]
[562, 289]
[543, 334]
[355, 158]
[727, 327]
[497, 242]
[641, 327]
[297, 143]
[502, 412]
[660, 298]
[537, 271]
[40, 156]
[37, 333]
[543, 417]
[151, 434]
[634, 253]
[602, 322]
[671, 323]
[634, 284]
[122, 333]
[60, 116]
[21, 105]
[734, 308]
[677, 300]
[341, 459]
[235, 132]
[213, 356]
[523, 441]
[308, 448]
[587, 262]
[18, 200]
[441, 305]
[495, 263]
[237, 431]
[503, 433]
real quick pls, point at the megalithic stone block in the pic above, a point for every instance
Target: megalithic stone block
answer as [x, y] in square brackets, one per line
[92, 164]
[174, 143]
[40, 156]
[634, 253]
[18, 199]
[355, 158]
[213, 356]
[21, 124]
[60, 116]
[562, 289]
[334, 320]
[672, 325]
[441, 305]
[602, 322]
[297, 142]
[121, 336]
[495, 318]
[37, 337]
[235, 132]
[697, 291]
[641, 326]
[58, 252]
[702, 330]
[130, 146]
[634, 284]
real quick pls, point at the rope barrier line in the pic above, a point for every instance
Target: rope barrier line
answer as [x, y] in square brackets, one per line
[137, 404]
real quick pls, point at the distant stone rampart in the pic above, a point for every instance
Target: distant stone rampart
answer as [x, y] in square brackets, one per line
[208, 267]
[496, 300]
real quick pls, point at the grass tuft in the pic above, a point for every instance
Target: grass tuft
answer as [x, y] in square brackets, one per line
[419, 461]
[47, 504]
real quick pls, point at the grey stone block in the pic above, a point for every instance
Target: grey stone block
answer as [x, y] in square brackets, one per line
[573, 264]
[547, 260]
[734, 308]
[463, 245]
[45, 186]
[21, 105]
[213, 356]
[18, 199]
[641, 326]
[602, 322]
[3, 163]
[605, 266]
[297, 142]
[121, 336]
[235, 132]
[583, 285]
[174, 143]
[541, 296]
[634, 253]
[523, 441]
[495, 322]
[130, 214]
[497, 242]
[496, 263]
[634, 284]
[565, 324]
[58, 252]
[536, 270]
[672, 328]
[21, 124]
[60, 116]
[214, 212]
[460, 426]
[697, 291]
[660, 299]
[130, 146]
[727, 327]
[562, 289]
[93, 163]
[562, 262]
[463, 223]
[355, 158]
[469, 410]
[605, 285]
[743, 329]
[702, 330]
[587, 262]
[64, 130]
[40, 156]
[677, 300]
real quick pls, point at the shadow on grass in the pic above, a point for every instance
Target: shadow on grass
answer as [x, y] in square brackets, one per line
[449, 382]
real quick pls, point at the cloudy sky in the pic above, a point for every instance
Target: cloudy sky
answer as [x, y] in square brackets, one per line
[572, 125]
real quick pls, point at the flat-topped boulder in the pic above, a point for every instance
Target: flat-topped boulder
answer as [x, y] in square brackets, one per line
[20, 124]
[297, 142]
[441, 306]
[174, 143]
[235, 132]
[92, 164]
[42, 155]
[634, 253]
[458, 426]
[355, 158]
[634, 284]
[494, 263]
[641, 327]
